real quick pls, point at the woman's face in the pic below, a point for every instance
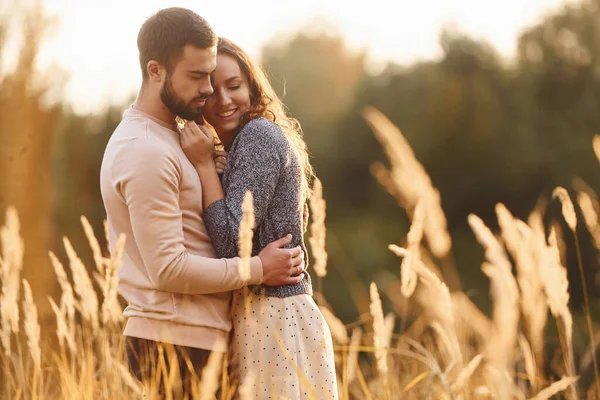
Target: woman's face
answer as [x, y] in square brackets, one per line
[230, 99]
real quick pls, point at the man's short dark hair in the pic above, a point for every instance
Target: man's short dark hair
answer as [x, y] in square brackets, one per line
[163, 36]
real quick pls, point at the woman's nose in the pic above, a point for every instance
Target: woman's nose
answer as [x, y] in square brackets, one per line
[224, 99]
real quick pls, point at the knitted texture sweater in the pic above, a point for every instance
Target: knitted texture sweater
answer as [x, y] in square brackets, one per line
[261, 160]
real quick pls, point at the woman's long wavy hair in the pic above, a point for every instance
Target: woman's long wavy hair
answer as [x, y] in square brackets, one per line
[265, 103]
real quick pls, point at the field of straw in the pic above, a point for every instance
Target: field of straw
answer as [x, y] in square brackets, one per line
[450, 349]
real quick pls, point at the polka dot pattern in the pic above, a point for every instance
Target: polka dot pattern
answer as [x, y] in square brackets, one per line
[283, 347]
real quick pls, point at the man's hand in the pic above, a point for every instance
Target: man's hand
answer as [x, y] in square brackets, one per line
[220, 158]
[197, 143]
[282, 266]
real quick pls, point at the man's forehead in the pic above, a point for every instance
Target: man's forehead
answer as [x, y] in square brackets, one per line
[193, 54]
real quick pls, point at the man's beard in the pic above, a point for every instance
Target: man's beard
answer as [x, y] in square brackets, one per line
[176, 104]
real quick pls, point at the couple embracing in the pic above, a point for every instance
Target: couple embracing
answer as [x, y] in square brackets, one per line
[179, 202]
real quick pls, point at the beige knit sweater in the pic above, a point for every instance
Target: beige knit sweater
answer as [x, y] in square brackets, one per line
[176, 289]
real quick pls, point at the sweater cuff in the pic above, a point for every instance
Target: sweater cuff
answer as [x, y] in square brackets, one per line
[256, 271]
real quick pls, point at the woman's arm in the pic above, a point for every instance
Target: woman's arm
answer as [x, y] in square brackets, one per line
[256, 166]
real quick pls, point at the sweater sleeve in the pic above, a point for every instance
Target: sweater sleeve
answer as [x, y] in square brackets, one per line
[256, 166]
[151, 192]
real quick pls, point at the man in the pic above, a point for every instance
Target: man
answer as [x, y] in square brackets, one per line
[177, 292]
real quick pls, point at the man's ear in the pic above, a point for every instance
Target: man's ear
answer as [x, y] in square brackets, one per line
[155, 71]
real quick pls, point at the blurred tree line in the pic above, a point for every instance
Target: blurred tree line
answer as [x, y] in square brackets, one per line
[486, 129]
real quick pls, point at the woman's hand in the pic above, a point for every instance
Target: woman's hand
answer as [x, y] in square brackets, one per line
[197, 143]
[220, 157]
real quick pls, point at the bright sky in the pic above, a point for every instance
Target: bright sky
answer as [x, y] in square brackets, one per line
[95, 40]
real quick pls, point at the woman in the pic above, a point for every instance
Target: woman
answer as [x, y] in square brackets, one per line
[282, 341]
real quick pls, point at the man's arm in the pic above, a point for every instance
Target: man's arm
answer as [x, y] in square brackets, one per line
[148, 179]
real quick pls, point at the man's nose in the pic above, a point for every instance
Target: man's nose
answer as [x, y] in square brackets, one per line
[206, 89]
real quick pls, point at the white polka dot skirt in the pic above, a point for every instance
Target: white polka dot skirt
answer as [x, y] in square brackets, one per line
[281, 348]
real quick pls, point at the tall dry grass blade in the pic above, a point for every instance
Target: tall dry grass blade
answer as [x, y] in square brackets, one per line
[529, 360]
[555, 388]
[62, 328]
[67, 300]
[556, 286]
[12, 263]
[111, 309]
[520, 242]
[209, 381]
[337, 328]
[88, 300]
[378, 330]
[388, 328]
[504, 291]
[318, 230]
[246, 235]
[596, 145]
[408, 275]
[568, 210]
[410, 180]
[94, 245]
[353, 350]
[32, 327]
[590, 216]
[434, 297]
[131, 382]
[107, 237]
[469, 320]
[569, 214]
[247, 387]
[466, 373]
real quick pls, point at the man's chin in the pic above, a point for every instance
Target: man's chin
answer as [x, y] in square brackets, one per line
[190, 115]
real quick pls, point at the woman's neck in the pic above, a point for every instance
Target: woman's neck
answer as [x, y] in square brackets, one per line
[227, 139]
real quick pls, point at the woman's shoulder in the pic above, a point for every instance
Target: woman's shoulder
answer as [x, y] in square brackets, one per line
[261, 129]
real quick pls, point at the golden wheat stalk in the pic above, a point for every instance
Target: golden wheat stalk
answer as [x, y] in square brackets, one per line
[410, 181]
[354, 347]
[67, 300]
[88, 300]
[378, 330]
[590, 216]
[466, 373]
[505, 293]
[596, 145]
[63, 331]
[94, 245]
[568, 210]
[388, 328]
[556, 286]
[529, 361]
[436, 301]
[408, 276]
[337, 328]
[209, 381]
[32, 327]
[569, 215]
[317, 229]
[111, 309]
[12, 263]
[520, 242]
[247, 387]
[245, 236]
[555, 388]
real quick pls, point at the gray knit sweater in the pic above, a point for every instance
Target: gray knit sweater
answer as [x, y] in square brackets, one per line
[260, 160]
